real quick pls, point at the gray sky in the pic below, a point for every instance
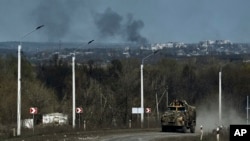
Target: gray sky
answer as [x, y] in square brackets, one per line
[152, 21]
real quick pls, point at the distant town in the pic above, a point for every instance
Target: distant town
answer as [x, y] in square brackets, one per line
[104, 52]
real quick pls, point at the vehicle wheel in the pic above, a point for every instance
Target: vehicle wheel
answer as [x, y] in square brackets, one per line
[163, 128]
[184, 129]
[192, 129]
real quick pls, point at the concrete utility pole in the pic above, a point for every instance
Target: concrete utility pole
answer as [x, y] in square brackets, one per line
[74, 87]
[167, 97]
[73, 92]
[247, 109]
[157, 105]
[142, 102]
[142, 105]
[220, 73]
[19, 80]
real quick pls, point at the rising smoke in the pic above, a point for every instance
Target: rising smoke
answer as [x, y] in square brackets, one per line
[110, 24]
[56, 15]
[132, 29]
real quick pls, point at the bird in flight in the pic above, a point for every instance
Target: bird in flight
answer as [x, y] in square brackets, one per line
[90, 41]
[39, 27]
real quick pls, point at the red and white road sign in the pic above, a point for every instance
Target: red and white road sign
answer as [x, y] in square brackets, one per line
[33, 110]
[79, 110]
[148, 110]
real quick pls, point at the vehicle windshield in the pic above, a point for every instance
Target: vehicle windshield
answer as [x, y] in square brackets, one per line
[181, 109]
[172, 108]
[176, 109]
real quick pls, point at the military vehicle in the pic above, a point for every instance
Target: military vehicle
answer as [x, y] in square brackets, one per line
[179, 117]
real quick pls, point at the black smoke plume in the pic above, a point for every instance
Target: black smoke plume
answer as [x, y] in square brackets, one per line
[132, 30]
[56, 16]
[110, 24]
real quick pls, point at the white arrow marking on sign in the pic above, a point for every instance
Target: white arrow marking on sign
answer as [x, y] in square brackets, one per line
[79, 110]
[148, 110]
[33, 110]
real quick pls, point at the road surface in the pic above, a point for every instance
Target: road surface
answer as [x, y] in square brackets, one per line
[146, 136]
[107, 135]
[137, 135]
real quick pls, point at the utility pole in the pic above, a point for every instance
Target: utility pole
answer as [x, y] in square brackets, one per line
[247, 109]
[157, 105]
[142, 93]
[167, 97]
[19, 80]
[220, 73]
[73, 87]
[73, 92]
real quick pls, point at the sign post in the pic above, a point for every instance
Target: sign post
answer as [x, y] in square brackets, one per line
[79, 110]
[137, 110]
[148, 110]
[33, 111]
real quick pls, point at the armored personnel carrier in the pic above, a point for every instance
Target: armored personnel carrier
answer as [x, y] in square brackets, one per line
[179, 116]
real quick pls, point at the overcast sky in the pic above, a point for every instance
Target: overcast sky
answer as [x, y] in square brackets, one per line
[141, 21]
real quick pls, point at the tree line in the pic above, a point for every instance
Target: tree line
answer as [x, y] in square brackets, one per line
[107, 92]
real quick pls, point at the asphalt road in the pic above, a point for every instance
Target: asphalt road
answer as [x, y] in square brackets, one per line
[146, 136]
[106, 135]
[136, 135]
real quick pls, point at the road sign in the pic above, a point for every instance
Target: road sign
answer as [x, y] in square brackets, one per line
[33, 110]
[137, 110]
[148, 110]
[79, 110]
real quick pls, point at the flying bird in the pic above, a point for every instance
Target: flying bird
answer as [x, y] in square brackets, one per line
[90, 41]
[39, 27]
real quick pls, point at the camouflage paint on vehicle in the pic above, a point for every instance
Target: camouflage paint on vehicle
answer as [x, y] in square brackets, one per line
[179, 116]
